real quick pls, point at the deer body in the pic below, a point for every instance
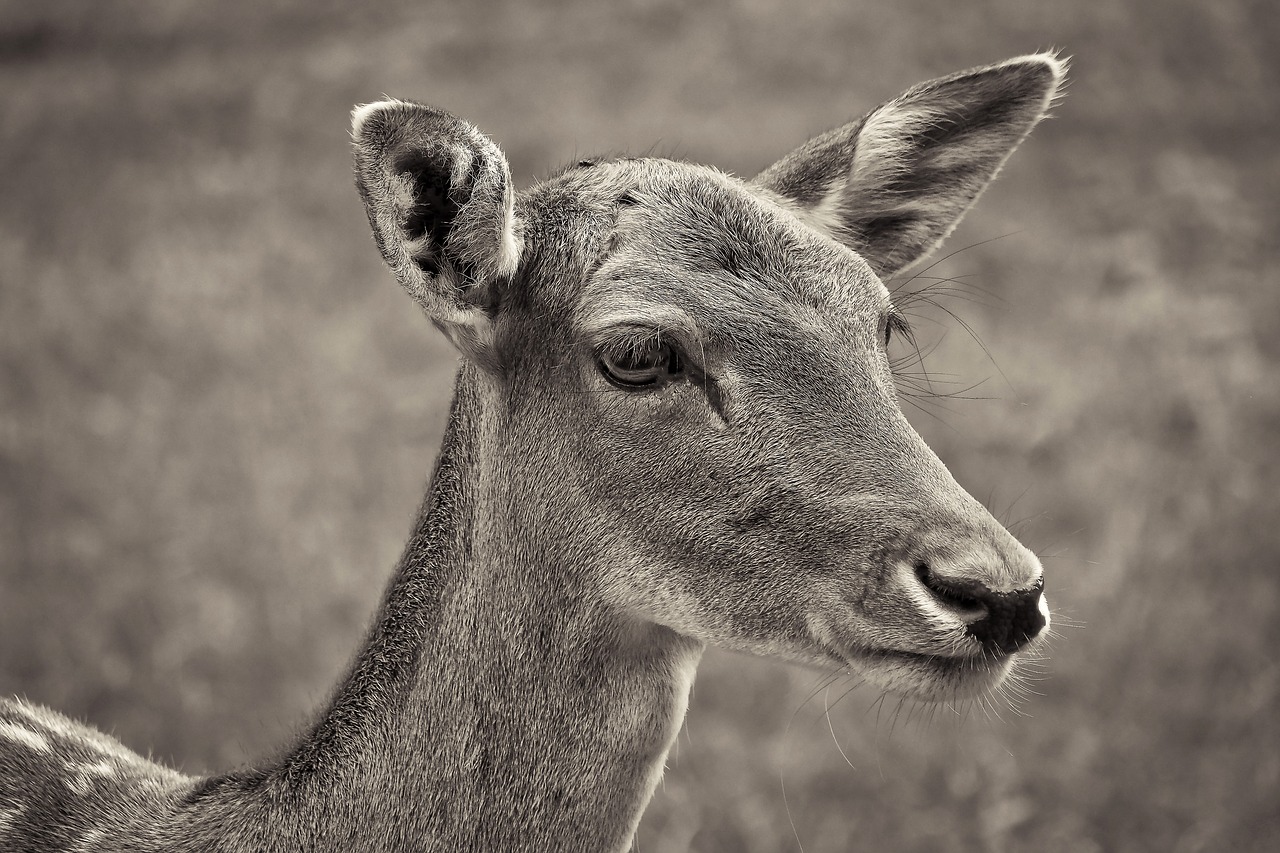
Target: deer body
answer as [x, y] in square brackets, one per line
[674, 424]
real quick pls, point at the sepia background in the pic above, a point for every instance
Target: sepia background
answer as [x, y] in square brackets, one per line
[218, 412]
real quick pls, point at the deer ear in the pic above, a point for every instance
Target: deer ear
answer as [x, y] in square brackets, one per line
[893, 185]
[439, 198]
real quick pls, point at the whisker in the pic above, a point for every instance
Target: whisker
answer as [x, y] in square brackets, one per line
[826, 712]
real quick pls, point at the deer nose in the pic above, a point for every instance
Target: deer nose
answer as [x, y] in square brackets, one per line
[1007, 620]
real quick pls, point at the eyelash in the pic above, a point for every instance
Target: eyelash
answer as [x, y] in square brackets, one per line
[640, 365]
[645, 364]
[895, 322]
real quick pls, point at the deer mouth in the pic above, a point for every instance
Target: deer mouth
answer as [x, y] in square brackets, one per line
[953, 667]
[940, 678]
[928, 676]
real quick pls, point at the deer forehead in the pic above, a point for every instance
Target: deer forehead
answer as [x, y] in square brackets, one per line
[691, 248]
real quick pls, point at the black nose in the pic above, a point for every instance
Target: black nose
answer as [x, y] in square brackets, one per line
[1009, 620]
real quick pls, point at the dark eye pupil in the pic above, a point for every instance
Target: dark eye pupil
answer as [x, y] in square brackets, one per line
[640, 366]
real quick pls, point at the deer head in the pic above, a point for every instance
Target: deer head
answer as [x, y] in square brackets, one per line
[688, 410]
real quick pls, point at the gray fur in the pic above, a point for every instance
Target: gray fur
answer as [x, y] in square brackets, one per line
[579, 543]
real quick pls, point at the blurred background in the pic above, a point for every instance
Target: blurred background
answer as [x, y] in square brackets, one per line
[218, 412]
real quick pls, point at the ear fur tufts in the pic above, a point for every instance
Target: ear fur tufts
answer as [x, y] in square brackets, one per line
[1059, 66]
[893, 185]
[439, 199]
[361, 113]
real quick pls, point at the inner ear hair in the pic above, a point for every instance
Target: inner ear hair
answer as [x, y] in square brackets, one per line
[439, 199]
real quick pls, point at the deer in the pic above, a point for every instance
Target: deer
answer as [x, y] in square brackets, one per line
[674, 424]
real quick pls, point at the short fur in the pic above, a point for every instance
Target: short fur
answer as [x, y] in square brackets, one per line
[580, 542]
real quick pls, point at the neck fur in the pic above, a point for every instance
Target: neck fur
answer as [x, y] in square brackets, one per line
[498, 703]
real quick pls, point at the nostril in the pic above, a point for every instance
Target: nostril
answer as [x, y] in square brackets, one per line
[962, 594]
[1008, 621]
[1013, 619]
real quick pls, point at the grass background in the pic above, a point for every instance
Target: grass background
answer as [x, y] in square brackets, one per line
[217, 412]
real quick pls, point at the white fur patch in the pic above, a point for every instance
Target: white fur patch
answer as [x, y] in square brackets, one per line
[22, 706]
[884, 143]
[512, 246]
[81, 778]
[89, 841]
[56, 726]
[8, 817]
[24, 736]
[1056, 64]
[360, 114]
[825, 216]
[60, 727]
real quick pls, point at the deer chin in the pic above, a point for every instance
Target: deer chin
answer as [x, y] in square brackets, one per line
[954, 674]
[932, 677]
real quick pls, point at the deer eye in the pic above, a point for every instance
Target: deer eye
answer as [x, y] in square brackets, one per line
[641, 364]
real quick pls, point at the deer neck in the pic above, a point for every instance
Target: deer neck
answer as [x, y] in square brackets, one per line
[498, 703]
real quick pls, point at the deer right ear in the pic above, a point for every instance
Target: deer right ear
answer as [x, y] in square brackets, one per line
[439, 199]
[892, 185]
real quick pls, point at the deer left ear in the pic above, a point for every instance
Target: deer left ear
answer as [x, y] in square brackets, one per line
[893, 185]
[439, 199]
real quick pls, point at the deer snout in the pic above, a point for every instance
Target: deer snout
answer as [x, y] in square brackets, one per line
[970, 573]
[1002, 621]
